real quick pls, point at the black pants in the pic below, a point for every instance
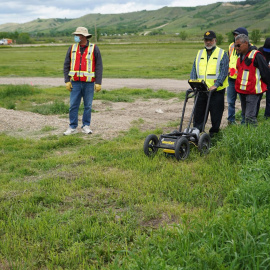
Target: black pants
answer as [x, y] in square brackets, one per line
[267, 101]
[216, 109]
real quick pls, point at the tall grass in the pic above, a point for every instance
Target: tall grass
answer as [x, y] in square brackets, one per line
[53, 108]
[54, 100]
[11, 91]
[70, 203]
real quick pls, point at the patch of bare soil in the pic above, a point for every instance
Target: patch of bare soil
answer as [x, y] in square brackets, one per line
[109, 118]
[108, 121]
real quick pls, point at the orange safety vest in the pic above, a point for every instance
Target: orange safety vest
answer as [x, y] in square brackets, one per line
[82, 67]
[249, 78]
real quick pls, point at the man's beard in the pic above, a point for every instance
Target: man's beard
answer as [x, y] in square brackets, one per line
[211, 47]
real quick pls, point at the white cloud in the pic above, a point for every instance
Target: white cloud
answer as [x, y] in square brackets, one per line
[22, 11]
[124, 8]
[45, 12]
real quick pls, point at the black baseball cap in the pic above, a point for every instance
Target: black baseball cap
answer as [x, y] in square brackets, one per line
[209, 35]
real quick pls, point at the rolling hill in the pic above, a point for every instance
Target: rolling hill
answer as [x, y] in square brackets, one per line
[220, 17]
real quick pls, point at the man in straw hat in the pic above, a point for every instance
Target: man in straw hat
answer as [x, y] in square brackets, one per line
[83, 75]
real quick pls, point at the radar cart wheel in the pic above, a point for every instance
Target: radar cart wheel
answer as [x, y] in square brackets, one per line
[204, 144]
[182, 149]
[149, 145]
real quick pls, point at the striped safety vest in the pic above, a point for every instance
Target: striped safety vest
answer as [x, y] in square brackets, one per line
[209, 70]
[82, 67]
[233, 61]
[249, 78]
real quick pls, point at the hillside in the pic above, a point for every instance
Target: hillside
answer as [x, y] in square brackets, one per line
[221, 17]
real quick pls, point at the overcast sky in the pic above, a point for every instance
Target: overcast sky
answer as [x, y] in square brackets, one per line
[22, 11]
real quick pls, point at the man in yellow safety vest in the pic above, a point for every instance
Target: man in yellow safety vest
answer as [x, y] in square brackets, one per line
[211, 65]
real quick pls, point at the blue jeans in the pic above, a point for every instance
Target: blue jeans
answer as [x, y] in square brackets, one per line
[231, 98]
[81, 90]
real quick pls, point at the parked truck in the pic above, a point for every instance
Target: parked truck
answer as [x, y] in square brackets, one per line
[6, 41]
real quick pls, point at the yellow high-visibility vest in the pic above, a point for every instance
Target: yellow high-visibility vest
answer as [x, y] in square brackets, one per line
[233, 60]
[209, 70]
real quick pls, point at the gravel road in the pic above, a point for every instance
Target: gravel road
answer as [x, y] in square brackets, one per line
[108, 84]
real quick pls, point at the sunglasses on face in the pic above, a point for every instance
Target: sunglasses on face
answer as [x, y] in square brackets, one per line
[238, 45]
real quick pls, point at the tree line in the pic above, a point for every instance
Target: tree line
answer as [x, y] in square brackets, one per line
[28, 38]
[18, 38]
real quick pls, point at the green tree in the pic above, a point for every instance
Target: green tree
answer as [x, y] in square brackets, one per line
[183, 35]
[98, 35]
[219, 39]
[24, 38]
[255, 35]
[230, 37]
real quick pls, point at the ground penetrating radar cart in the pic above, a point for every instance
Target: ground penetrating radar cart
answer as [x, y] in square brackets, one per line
[178, 142]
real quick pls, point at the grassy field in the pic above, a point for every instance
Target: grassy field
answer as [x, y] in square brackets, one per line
[75, 203]
[71, 203]
[141, 60]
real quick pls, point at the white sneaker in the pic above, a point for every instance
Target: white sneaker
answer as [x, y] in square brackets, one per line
[70, 131]
[86, 130]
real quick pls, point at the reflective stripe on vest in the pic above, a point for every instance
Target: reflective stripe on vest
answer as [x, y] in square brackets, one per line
[231, 48]
[258, 85]
[246, 75]
[89, 72]
[73, 56]
[232, 62]
[209, 70]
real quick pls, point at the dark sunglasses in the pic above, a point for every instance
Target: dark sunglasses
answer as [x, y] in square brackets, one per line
[238, 45]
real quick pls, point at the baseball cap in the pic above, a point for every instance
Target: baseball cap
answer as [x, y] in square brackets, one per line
[209, 35]
[240, 30]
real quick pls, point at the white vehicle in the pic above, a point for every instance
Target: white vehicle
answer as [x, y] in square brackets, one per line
[6, 41]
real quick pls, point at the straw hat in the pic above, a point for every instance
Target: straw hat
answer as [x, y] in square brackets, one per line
[82, 31]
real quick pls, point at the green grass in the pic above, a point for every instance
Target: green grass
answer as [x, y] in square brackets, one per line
[130, 95]
[54, 100]
[70, 203]
[74, 203]
[141, 60]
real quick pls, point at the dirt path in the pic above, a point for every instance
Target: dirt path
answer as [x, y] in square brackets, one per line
[110, 118]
